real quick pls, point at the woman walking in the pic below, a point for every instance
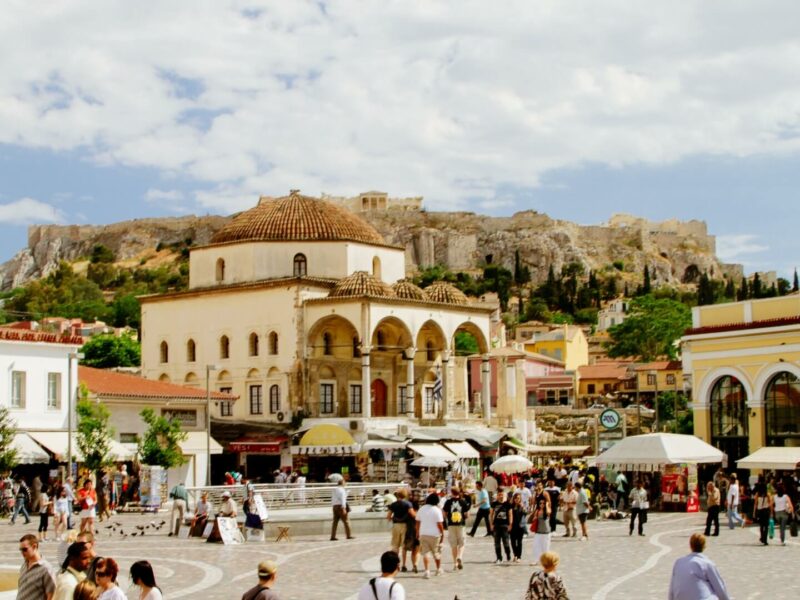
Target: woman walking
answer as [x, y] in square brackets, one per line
[762, 510]
[45, 505]
[142, 577]
[518, 524]
[547, 584]
[87, 497]
[62, 509]
[540, 525]
[784, 510]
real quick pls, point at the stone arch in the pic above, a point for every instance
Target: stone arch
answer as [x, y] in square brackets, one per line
[224, 376]
[164, 378]
[691, 274]
[163, 352]
[273, 373]
[253, 374]
[191, 351]
[252, 344]
[781, 399]
[431, 340]
[766, 374]
[190, 379]
[326, 372]
[704, 393]
[224, 347]
[390, 334]
[333, 334]
[472, 329]
[272, 343]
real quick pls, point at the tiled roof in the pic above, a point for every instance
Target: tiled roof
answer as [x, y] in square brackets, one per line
[603, 371]
[660, 365]
[25, 335]
[297, 218]
[361, 284]
[111, 384]
[409, 291]
[441, 291]
[782, 322]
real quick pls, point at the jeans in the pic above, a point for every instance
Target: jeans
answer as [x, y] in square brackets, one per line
[19, 507]
[762, 516]
[516, 541]
[712, 519]
[733, 515]
[501, 535]
[782, 520]
[642, 514]
[483, 513]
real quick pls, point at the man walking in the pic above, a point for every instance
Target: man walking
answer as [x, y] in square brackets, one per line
[569, 500]
[712, 504]
[384, 587]
[501, 520]
[456, 509]
[639, 506]
[620, 483]
[36, 575]
[398, 513]
[582, 508]
[490, 485]
[339, 504]
[733, 503]
[22, 498]
[695, 576]
[73, 571]
[554, 492]
[484, 509]
[180, 499]
[430, 531]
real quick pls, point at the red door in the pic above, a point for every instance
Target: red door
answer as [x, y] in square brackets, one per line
[378, 389]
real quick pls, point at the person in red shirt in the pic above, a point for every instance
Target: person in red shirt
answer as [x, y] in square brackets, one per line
[87, 498]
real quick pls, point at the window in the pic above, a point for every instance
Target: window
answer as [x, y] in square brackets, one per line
[253, 345]
[670, 379]
[220, 271]
[256, 399]
[430, 402]
[224, 347]
[606, 388]
[376, 267]
[327, 343]
[728, 408]
[590, 388]
[782, 410]
[355, 399]
[18, 389]
[325, 398]
[300, 266]
[430, 355]
[226, 406]
[128, 438]
[402, 399]
[274, 399]
[563, 397]
[381, 341]
[54, 390]
[273, 343]
[191, 351]
[651, 379]
[164, 352]
[356, 347]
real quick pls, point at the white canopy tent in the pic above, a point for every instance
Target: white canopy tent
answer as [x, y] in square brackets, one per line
[778, 458]
[660, 449]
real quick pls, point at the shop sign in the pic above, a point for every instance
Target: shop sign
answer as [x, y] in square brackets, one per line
[610, 419]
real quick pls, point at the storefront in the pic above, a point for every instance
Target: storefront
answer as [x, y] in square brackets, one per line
[261, 456]
[323, 450]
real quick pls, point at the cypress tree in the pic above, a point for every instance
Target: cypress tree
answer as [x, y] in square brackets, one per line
[796, 284]
[756, 291]
[743, 291]
[646, 286]
[730, 289]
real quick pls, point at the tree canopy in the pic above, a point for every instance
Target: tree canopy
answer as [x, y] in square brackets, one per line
[108, 351]
[650, 330]
[93, 432]
[160, 444]
[8, 429]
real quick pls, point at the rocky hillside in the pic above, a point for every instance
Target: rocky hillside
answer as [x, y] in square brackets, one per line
[676, 252]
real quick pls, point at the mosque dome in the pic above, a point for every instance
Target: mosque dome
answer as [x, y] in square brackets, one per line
[361, 284]
[441, 291]
[408, 291]
[297, 218]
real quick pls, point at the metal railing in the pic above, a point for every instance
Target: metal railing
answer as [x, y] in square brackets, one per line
[284, 496]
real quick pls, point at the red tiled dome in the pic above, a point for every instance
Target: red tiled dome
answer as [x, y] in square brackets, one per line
[441, 291]
[361, 283]
[408, 291]
[297, 218]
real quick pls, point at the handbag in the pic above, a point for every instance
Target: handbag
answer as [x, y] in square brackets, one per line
[347, 507]
[793, 528]
[771, 528]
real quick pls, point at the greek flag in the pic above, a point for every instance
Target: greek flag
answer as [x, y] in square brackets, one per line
[437, 385]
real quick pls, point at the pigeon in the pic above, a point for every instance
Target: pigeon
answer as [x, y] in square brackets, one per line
[140, 527]
[109, 527]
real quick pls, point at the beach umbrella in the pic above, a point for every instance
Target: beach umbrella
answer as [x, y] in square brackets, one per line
[335, 477]
[430, 462]
[511, 463]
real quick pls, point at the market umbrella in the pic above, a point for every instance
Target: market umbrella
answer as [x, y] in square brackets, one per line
[430, 462]
[660, 449]
[335, 477]
[511, 463]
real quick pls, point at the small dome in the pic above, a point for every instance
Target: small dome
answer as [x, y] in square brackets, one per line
[441, 291]
[408, 291]
[297, 218]
[361, 283]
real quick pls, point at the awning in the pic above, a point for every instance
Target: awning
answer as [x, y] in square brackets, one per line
[327, 434]
[778, 458]
[28, 451]
[56, 443]
[568, 450]
[432, 451]
[462, 450]
[660, 449]
[195, 443]
[381, 444]
[556, 385]
[268, 444]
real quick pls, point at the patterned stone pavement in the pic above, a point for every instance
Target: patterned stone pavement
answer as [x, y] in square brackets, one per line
[611, 565]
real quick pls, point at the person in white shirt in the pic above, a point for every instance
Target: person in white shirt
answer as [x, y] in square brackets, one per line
[490, 485]
[784, 510]
[695, 577]
[430, 531]
[384, 587]
[733, 503]
[339, 505]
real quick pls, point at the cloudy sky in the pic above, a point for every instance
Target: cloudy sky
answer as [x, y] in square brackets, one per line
[116, 110]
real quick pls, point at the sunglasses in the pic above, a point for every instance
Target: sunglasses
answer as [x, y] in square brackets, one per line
[24, 549]
[101, 573]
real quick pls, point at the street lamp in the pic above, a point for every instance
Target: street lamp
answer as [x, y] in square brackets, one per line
[70, 392]
[655, 379]
[209, 368]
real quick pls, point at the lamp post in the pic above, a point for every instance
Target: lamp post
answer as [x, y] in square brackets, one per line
[209, 368]
[70, 393]
[655, 379]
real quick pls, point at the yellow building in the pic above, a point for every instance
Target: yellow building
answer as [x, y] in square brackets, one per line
[566, 343]
[743, 361]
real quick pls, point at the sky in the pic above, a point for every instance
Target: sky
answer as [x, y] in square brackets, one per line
[117, 110]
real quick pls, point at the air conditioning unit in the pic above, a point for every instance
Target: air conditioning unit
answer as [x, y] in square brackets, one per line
[356, 425]
[402, 430]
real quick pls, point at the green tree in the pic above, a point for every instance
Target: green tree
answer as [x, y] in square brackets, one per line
[730, 289]
[93, 432]
[8, 429]
[160, 444]
[795, 282]
[744, 291]
[108, 350]
[646, 285]
[522, 273]
[650, 330]
[126, 311]
[783, 286]
[757, 289]
[466, 344]
[705, 291]
[101, 254]
[536, 310]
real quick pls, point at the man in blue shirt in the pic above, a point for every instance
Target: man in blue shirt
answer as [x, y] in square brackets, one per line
[484, 508]
[695, 577]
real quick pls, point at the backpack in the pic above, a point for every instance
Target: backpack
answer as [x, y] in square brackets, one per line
[375, 589]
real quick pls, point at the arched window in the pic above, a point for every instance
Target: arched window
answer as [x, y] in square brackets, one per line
[191, 351]
[430, 354]
[300, 266]
[224, 347]
[164, 352]
[728, 408]
[381, 339]
[376, 267]
[220, 272]
[253, 344]
[274, 399]
[273, 343]
[782, 408]
[356, 347]
[327, 343]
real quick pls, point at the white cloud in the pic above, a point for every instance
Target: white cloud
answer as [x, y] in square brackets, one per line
[158, 196]
[451, 100]
[25, 211]
[736, 247]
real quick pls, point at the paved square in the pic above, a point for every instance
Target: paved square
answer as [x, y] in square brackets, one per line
[611, 565]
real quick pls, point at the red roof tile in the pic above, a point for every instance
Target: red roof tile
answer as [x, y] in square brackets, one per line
[24, 335]
[604, 371]
[112, 384]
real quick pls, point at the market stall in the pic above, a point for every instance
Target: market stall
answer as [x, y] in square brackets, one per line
[778, 458]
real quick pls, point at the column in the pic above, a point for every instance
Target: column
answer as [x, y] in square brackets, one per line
[445, 384]
[486, 388]
[366, 384]
[408, 356]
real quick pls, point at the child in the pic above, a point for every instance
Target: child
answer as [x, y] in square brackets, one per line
[546, 584]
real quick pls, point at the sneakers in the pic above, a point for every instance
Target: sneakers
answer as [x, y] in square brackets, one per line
[439, 571]
[459, 563]
[415, 569]
[499, 561]
[427, 574]
[403, 569]
[584, 538]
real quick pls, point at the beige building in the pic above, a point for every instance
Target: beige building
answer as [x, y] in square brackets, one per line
[299, 306]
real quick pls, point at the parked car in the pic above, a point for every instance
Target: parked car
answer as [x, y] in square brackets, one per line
[635, 408]
[598, 406]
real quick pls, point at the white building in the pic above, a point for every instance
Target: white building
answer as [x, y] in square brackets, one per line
[613, 314]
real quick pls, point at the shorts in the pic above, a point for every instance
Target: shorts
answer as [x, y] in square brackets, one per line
[430, 544]
[582, 517]
[398, 535]
[455, 536]
[88, 513]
